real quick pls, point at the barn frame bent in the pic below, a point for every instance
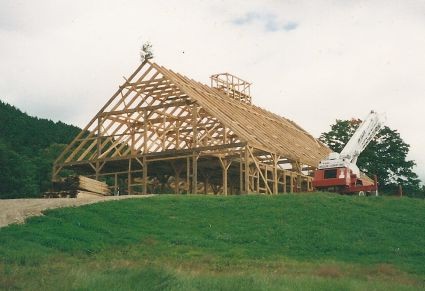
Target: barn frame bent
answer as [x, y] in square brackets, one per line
[164, 132]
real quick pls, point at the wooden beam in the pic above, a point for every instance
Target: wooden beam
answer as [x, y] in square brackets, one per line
[195, 174]
[147, 108]
[247, 190]
[145, 176]
[225, 164]
[129, 177]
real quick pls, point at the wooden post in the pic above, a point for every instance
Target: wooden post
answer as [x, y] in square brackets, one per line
[195, 174]
[115, 184]
[247, 190]
[145, 132]
[275, 176]
[98, 140]
[188, 184]
[133, 138]
[145, 175]
[97, 171]
[258, 180]
[225, 164]
[195, 125]
[129, 177]
[241, 182]
[299, 182]
[195, 144]
[291, 185]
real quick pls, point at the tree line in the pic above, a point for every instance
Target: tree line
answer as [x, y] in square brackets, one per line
[28, 147]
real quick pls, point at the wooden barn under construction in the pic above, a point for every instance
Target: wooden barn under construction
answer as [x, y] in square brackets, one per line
[162, 132]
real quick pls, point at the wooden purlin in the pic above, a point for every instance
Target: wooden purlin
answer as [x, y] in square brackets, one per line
[194, 93]
[262, 128]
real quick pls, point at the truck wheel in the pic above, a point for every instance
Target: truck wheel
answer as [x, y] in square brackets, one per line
[361, 193]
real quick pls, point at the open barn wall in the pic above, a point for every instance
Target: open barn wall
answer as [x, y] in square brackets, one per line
[161, 130]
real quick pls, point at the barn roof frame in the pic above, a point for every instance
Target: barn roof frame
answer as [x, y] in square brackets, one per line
[161, 115]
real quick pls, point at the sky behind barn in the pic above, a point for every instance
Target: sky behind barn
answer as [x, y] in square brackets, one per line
[310, 62]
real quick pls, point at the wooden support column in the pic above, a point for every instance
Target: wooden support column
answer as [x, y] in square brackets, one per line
[133, 141]
[225, 164]
[246, 160]
[115, 184]
[145, 175]
[275, 176]
[98, 146]
[291, 185]
[299, 181]
[188, 184]
[284, 181]
[258, 180]
[129, 177]
[97, 170]
[145, 131]
[98, 139]
[195, 125]
[195, 174]
[241, 180]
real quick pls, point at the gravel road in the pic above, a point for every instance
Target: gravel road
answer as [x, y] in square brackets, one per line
[17, 210]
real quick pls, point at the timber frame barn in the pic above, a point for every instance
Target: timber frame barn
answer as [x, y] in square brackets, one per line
[163, 132]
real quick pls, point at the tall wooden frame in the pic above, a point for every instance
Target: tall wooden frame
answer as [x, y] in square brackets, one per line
[162, 128]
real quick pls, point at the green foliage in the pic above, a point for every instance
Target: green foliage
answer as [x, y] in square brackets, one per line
[17, 175]
[28, 147]
[228, 243]
[385, 156]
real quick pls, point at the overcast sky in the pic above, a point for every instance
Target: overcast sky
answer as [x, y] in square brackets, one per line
[313, 63]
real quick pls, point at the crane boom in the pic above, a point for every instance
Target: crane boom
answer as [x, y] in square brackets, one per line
[362, 136]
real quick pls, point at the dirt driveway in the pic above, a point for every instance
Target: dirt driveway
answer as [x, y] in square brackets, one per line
[17, 210]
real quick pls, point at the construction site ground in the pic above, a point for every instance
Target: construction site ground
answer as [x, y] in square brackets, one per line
[17, 210]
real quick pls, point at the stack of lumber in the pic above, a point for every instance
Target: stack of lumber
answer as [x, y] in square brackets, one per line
[87, 184]
[61, 194]
[73, 185]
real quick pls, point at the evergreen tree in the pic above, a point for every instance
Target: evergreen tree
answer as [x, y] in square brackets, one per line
[17, 178]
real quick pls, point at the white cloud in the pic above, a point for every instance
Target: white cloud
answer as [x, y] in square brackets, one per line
[63, 61]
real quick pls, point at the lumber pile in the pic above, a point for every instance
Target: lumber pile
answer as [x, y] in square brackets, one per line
[73, 185]
[61, 194]
[87, 184]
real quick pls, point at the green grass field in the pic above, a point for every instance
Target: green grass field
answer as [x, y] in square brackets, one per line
[285, 242]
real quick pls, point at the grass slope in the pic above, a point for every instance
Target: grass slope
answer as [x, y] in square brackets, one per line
[288, 242]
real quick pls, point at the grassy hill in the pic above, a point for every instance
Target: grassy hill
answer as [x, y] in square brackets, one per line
[286, 242]
[28, 147]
